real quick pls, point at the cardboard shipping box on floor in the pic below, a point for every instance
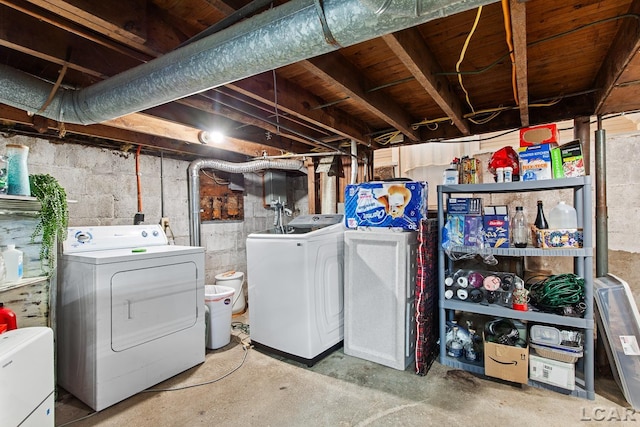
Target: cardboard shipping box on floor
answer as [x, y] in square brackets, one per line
[506, 362]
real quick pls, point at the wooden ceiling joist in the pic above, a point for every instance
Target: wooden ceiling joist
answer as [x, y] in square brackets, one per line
[623, 49]
[333, 68]
[418, 58]
[519, 37]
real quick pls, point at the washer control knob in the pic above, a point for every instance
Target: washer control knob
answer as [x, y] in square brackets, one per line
[144, 233]
[83, 237]
[155, 233]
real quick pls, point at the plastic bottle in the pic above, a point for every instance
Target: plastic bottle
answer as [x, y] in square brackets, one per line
[519, 229]
[541, 221]
[563, 216]
[13, 262]
[8, 317]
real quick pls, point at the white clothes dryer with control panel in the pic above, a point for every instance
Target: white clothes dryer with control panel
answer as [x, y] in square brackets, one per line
[130, 311]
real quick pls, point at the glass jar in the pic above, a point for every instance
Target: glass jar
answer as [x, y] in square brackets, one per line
[17, 171]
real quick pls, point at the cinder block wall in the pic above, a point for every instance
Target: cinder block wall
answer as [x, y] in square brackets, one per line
[102, 185]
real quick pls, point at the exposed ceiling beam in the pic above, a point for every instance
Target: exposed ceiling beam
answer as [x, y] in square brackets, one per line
[45, 16]
[411, 49]
[297, 101]
[623, 48]
[334, 69]
[126, 23]
[519, 37]
[86, 57]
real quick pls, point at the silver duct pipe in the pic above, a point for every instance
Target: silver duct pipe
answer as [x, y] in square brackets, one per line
[194, 183]
[294, 31]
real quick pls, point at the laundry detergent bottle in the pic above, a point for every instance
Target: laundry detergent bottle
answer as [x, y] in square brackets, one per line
[13, 263]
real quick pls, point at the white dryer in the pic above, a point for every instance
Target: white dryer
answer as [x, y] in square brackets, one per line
[295, 282]
[130, 311]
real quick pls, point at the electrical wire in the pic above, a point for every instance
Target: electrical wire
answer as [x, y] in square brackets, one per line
[562, 293]
[507, 28]
[242, 327]
[464, 51]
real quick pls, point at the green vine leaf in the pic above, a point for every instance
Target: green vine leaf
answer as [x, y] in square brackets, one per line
[53, 217]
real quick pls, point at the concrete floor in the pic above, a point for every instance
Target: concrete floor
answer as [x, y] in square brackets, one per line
[341, 390]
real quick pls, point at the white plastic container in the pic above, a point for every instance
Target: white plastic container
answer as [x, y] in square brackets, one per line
[13, 263]
[235, 280]
[563, 216]
[219, 302]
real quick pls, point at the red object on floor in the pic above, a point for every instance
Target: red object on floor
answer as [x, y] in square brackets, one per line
[8, 318]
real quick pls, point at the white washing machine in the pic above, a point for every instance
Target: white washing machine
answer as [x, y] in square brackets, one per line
[295, 282]
[130, 311]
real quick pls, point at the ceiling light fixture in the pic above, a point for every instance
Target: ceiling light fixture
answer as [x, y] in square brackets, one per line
[213, 137]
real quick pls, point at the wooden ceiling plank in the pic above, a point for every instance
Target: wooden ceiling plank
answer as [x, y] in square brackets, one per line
[42, 40]
[335, 69]
[519, 34]
[409, 46]
[297, 101]
[54, 20]
[623, 50]
[126, 21]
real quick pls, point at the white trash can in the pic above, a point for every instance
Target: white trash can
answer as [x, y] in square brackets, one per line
[234, 279]
[218, 300]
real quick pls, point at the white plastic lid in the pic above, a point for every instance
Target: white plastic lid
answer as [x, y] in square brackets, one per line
[11, 247]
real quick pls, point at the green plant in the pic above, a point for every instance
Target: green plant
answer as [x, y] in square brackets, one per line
[53, 217]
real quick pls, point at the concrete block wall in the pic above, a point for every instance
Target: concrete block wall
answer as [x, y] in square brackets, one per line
[102, 185]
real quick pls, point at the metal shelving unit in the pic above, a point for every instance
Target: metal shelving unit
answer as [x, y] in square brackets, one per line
[583, 262]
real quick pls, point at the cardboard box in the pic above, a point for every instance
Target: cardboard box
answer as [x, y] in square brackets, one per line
[496, 226]
[398, 205]
[572, 159]
[535, 135]
[552, 372]
[470, 171]
[464, 230]
[552, 238]
[464, 206]
[506, 362]
[535, 162]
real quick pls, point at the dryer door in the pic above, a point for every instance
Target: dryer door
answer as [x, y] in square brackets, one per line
[153, 302]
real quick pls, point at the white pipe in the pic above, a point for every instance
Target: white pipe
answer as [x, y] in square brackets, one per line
[354, 161]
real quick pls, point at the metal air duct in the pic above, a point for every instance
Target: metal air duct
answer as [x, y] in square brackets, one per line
[294, 31]
[194, 182]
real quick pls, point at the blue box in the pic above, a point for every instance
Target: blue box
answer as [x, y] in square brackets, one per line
[399, 205]
[496, 226]
[535, 162]
[464, 206]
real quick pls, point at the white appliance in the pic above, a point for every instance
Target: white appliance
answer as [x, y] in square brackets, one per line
[379, 294]
[26, 377]
[295, 282]
[130, 311]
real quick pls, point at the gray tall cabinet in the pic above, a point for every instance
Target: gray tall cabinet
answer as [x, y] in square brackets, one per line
[583, 266]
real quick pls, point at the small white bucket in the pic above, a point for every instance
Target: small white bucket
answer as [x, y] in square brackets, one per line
[234, 279]
[219, 301]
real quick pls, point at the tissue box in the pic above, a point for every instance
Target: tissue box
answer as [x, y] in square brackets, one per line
[557, 238]
[535, 162]
[400, 204]
[496, 226]
[534, 135]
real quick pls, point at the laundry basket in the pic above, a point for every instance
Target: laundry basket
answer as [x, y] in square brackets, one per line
[218, 300]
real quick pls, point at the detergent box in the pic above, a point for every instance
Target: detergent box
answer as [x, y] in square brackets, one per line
[393, 204]
[535, 162]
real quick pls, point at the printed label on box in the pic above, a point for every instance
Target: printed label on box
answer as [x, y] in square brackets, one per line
[385, 204]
